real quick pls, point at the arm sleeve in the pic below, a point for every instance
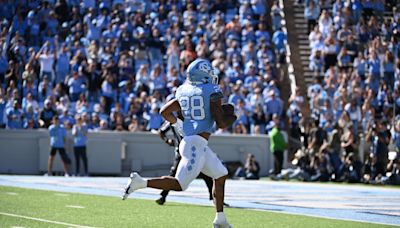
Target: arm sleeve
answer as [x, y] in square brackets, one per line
[165, 127]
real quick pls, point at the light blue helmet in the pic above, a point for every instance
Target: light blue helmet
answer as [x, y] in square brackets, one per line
[200, 71]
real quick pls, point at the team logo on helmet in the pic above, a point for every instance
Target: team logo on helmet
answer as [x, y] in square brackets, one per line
[205, 67]
[201, 71]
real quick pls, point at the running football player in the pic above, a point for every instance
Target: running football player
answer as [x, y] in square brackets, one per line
[199, 100]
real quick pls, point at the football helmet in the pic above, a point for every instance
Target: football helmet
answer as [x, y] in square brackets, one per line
[200, 71]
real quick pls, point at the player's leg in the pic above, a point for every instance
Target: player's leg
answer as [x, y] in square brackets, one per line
[188, 169]
[51, 161]
[172, 173]
[209, 182]
[214, 168]
[164, 183]
[219, 193]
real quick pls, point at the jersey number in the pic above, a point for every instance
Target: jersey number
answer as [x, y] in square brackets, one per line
[193, 107]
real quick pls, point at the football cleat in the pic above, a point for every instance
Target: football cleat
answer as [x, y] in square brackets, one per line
[222, 225]
[135, 182]
[160, 201]
[221, 222]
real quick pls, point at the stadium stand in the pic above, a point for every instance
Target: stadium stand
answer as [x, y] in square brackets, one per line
[116, 62]
[348, 59]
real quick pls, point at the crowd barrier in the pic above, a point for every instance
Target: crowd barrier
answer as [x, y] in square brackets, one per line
[118, 153]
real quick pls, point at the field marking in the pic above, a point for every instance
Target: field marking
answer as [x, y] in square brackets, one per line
[61, 194]
[75, 206]
[44, 220]
[12, 193]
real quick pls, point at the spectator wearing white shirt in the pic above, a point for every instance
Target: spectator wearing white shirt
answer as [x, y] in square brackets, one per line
[325, 23]
[46, 61]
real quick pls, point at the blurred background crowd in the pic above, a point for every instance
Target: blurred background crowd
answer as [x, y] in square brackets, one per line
[114, 63]
[355, 98]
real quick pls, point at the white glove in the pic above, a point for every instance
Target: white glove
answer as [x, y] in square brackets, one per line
[179, 127]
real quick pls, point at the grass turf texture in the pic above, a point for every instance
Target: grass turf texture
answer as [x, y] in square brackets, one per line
[103, 211]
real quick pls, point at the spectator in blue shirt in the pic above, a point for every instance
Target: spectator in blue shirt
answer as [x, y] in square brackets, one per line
[279, 39]
[108, 93]
[94, 30]
[273, 105]
[2, 109]
[388, 69]
[47, 114]
[3, 64]
[14, 116]
[374, 66]
[76, 86]
[311, 13]
[235, 96]
[79, 131]
[58, 137]
[343, 59]
[31, 118]
[66, 119]
[153, 118]
[317, 62]
[62, 65]
[276, 15]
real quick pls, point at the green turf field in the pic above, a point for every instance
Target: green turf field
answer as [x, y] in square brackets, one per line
[102, 211]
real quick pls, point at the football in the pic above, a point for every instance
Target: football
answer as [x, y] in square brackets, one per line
[228, 109]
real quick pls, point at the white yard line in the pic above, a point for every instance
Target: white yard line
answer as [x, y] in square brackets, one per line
[75, 206]
[12, 193]
[44, 220]
[61, 194]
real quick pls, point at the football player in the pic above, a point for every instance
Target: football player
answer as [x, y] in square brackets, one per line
[199, 100]
[174, 141]
[177, 135]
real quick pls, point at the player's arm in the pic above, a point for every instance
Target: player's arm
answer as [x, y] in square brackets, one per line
[222, 119]
[167, 111]
[162, 133]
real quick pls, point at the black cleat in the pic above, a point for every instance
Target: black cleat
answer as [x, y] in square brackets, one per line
[160, 201]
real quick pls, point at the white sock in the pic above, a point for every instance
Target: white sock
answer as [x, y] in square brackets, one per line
[220, 216]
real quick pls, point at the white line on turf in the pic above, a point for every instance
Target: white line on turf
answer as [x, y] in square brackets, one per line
[75, 206]
[44, 220]
[12, 193]
[61, 194]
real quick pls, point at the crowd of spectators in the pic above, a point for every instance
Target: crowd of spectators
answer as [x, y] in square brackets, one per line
[355, 96]
[116, 62]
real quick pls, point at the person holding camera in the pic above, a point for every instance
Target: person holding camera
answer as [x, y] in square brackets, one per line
[251, 169]
[379, 137]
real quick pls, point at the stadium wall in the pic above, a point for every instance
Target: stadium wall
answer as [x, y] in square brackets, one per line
[117, 153]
